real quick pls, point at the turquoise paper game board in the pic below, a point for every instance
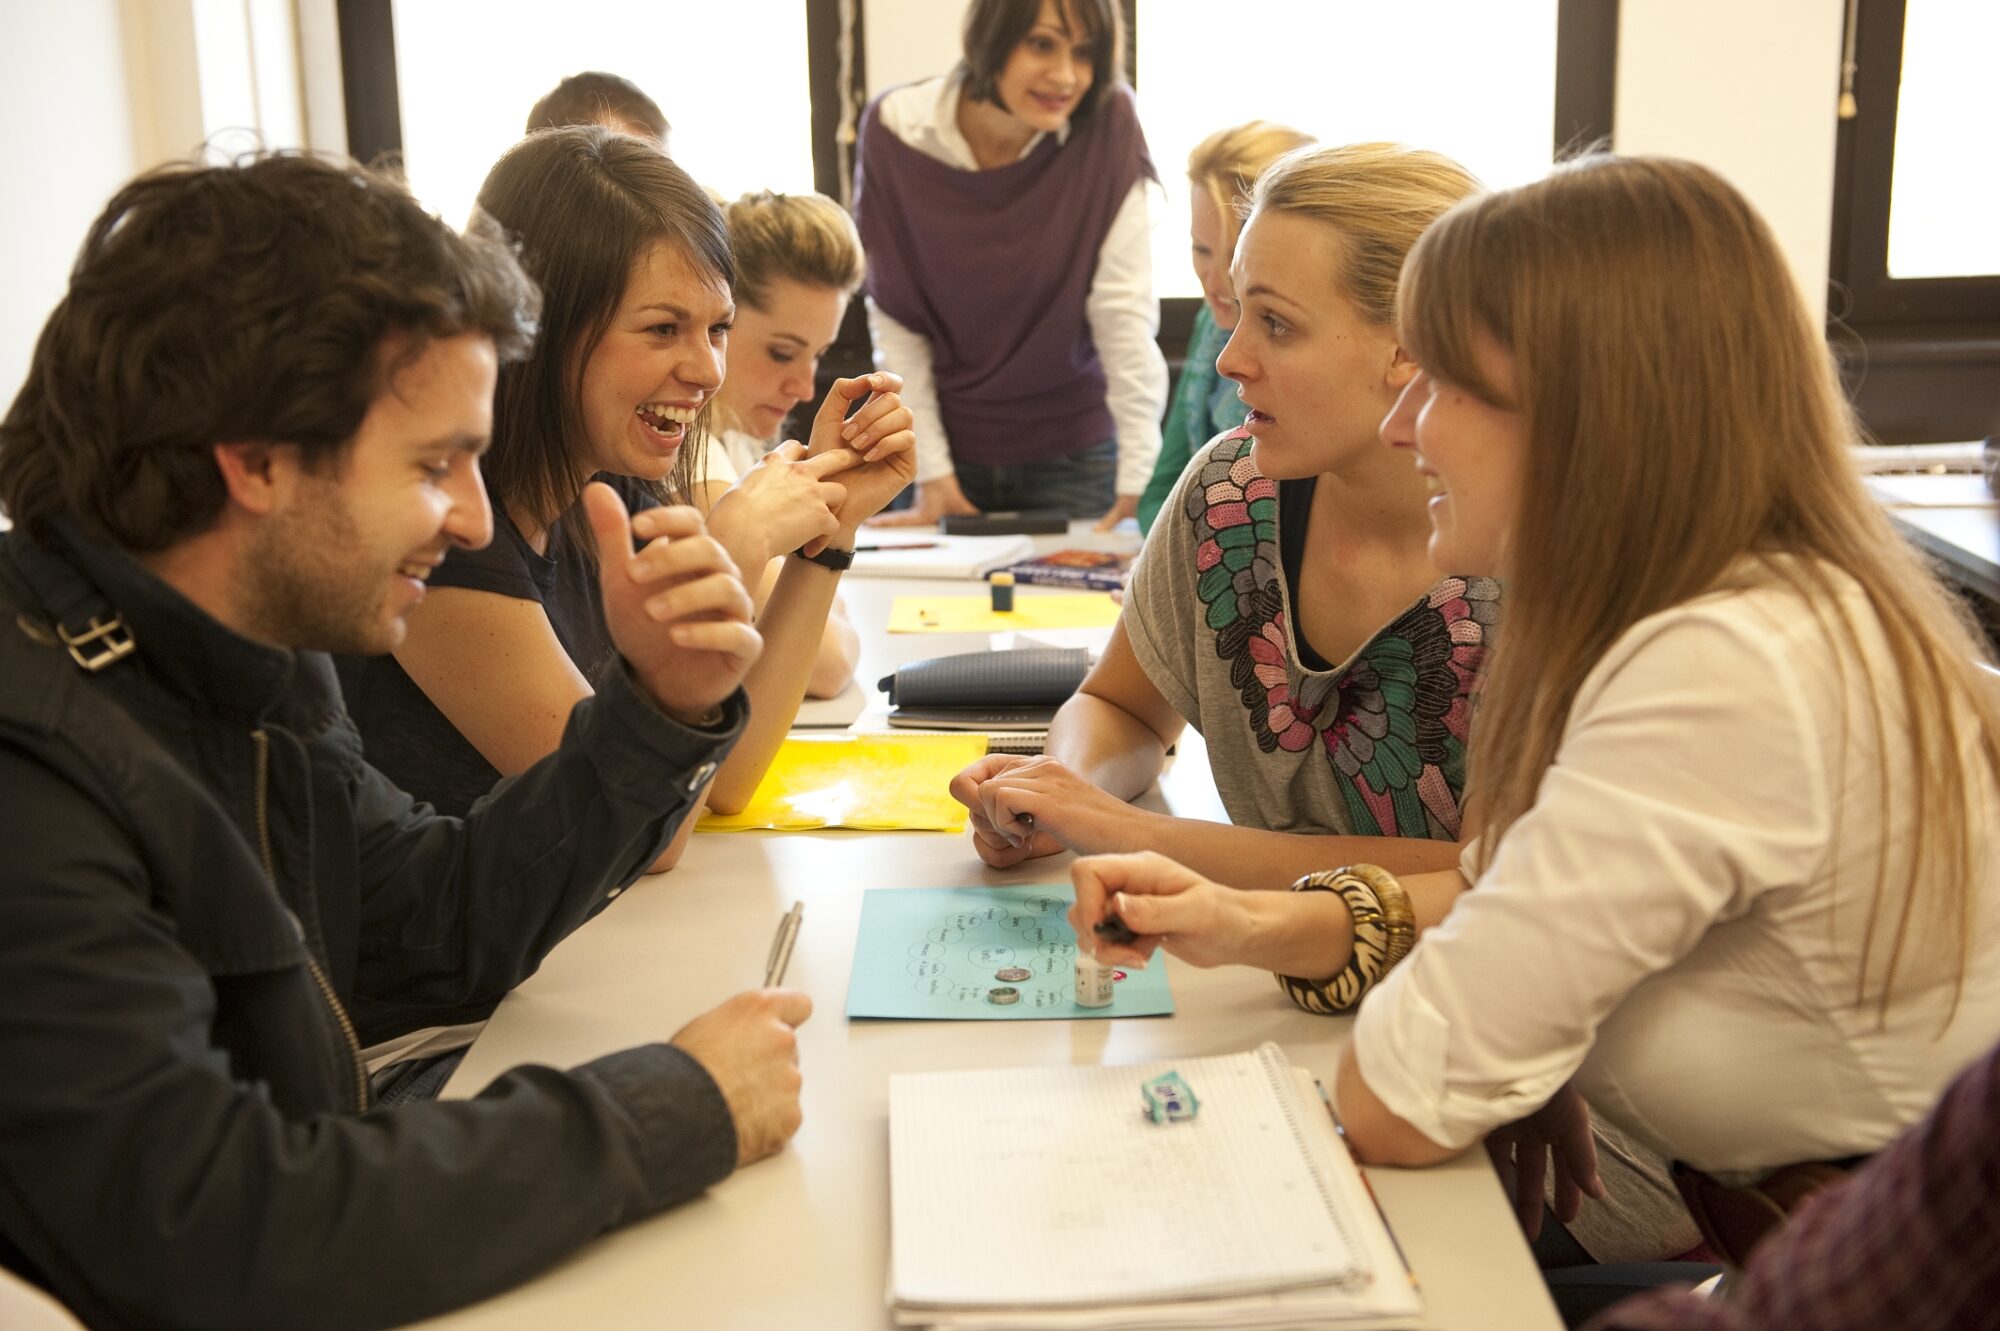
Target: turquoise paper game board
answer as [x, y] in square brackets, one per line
[939, 953]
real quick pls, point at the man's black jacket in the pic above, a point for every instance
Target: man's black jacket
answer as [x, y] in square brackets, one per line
[207, 899]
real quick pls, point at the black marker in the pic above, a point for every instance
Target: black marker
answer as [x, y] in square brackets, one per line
[1114, 931]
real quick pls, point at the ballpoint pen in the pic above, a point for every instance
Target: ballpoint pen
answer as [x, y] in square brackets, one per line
[913, 545]
[781, 946]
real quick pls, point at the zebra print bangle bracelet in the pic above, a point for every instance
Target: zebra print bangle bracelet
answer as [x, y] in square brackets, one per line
[1385, 929]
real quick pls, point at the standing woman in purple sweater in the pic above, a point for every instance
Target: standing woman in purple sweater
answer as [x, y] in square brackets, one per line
[1004, 208]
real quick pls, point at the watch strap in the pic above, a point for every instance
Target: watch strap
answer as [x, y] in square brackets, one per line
[837, 560]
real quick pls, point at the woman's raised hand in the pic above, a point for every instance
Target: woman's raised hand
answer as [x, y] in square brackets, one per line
[876, 441]
[780, 504]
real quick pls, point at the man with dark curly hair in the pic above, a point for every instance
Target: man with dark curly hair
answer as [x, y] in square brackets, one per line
[250, 430]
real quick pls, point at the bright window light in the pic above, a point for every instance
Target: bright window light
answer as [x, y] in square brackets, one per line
[1944, 199]
[731, 78]
[1472, 79]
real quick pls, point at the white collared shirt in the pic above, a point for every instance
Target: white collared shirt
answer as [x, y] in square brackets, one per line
[1678, 922]
[1123, 314]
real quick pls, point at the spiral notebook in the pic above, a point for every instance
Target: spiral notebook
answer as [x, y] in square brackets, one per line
[1044, 1197]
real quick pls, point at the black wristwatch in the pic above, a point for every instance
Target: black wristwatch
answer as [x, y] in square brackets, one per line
[837, 560]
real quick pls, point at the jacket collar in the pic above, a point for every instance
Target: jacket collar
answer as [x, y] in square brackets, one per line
[85, 584]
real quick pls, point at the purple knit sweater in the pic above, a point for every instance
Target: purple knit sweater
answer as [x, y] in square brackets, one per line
[995, 267]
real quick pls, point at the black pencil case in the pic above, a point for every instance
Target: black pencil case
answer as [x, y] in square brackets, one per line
[1027, 522]
[1029, 677]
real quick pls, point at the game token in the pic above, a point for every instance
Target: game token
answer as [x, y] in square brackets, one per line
[1093, 982]
[1003, 995]
[1013, 974]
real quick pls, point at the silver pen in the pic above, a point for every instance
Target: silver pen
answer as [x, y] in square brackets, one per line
[781, 946]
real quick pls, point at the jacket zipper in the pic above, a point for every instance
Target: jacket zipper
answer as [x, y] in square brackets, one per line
[262, 743]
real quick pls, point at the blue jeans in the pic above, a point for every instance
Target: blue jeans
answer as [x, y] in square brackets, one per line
[1083, 484]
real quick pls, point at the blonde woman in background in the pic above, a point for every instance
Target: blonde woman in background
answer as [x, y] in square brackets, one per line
[798, 263]
[1222, 168]
[1737, 763]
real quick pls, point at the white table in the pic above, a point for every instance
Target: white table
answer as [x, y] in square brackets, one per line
[1952, 517]
[802, 1240]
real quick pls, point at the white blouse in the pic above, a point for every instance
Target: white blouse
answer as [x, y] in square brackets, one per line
[1123, 315]
[1679, 920]
[728, 454]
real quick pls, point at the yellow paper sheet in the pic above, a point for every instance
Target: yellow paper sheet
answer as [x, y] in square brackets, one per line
[974, 614]
[877, 782]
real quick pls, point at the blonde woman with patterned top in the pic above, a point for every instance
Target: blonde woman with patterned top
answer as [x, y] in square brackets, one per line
[1286, 606]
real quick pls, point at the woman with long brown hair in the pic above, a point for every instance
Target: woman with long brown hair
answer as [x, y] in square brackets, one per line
[1736, 761]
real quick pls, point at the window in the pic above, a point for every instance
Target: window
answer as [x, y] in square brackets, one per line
[1944, 191]
[1345, 73]
[1916, 253]
[467, 71]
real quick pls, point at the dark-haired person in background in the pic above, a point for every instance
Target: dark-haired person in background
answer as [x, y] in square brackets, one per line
[250, 430]
[1010, 273]
[597, 98]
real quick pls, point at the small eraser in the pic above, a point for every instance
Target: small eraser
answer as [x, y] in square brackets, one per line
[1169, 1099]
[1002, 585]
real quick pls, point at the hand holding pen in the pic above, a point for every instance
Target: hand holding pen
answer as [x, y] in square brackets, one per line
[749, 1048]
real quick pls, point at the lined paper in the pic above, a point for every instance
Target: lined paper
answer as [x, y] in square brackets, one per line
[1049, 1186]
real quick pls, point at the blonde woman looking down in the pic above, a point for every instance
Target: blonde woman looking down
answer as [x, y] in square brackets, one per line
[1287, 605]
[1733, 879]
[798, 263]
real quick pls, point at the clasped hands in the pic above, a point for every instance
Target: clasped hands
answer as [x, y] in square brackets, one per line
[1022, 808]
[815, 493]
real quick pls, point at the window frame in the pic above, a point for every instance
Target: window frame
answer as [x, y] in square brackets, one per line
[374, 107]
[1864, 168]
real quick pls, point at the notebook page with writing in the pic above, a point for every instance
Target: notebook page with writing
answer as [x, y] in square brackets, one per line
[1049, 1186]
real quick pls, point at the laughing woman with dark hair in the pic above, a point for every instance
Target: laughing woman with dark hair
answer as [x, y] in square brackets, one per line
[634, 263]
[1004, 210]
